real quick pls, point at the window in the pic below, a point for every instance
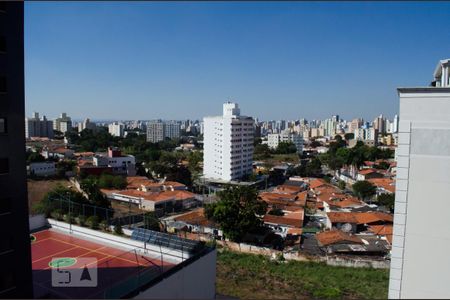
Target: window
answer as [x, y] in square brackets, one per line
[3, 88]
[2, 125]
[4, 166]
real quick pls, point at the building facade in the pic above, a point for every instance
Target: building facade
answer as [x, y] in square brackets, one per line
[274, 139]
[38, 127]
[228, 144]
[158, 131]
[63, 123]
[421, 240]
[15, 252]
[116, 129]
[87, 124]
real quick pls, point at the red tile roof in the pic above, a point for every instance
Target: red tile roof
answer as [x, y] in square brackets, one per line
[336, 236]
[359, 217]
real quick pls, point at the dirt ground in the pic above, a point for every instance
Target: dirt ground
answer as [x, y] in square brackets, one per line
[38, 188]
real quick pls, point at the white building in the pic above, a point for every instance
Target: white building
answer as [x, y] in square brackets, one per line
[274, 139]
[116, 129]
[158, 131]
[87, 124]
[120, 164]
[228, 144]
[63, 123]
[42, 168]
[421, 241]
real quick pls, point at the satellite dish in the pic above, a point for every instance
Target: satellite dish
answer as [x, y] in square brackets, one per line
[347, 227]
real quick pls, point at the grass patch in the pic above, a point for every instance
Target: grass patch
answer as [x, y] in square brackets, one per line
[250, 276]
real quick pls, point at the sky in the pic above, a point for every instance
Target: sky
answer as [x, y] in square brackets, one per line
[174, 60]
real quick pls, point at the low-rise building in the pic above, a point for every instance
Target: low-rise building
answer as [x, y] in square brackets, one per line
[42, 168]
[120, 164]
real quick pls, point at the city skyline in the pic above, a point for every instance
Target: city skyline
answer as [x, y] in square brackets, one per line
[161, 60]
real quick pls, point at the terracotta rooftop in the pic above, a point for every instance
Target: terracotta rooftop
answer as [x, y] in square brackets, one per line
[287, 189]
[316, 182]
[386, 183]
[293, 219]
[196, 217]
[336, 236]
[360, 217]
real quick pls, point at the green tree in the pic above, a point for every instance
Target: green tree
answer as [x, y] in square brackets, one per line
[151, 221]
[237, 212]
[386, 200]
[364, 189]
[34, 157]
[349, 136]
[341, 184]
[286, 148]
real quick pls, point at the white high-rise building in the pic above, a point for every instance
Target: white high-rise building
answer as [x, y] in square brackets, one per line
[116, 129]
[63, 123]
[157, 131]
[86, 124]
[274, 139]
[421, 240]
[228, 144]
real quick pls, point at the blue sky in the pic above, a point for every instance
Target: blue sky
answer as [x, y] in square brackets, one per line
[172, 60]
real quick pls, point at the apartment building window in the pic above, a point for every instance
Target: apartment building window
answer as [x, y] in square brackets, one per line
[2, 125]
[3, 88]
[4, 166]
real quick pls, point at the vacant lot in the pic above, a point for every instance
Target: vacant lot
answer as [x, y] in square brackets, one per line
[250, 276]
[38, 188]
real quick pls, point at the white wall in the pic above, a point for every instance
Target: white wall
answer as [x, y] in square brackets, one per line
[195, 281]
[420, 265]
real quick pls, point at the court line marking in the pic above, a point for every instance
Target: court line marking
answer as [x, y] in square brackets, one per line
[76, 257]
[38, 241]
[128, 260]
[53, 254]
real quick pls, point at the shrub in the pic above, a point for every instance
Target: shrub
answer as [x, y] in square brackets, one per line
[118, 229]
[81, 220]
[57, 214]
[69, 218]
[104, 225]
[93, 222]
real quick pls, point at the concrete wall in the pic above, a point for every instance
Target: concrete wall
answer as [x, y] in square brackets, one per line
[170, 255]
[421, 241]
[195, 281]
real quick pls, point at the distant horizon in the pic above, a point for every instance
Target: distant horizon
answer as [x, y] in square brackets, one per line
[278, 60]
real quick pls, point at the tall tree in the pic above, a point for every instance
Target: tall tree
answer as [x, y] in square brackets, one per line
[237, 212]
[364, 189]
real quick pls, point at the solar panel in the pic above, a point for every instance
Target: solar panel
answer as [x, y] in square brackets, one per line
[165, 240]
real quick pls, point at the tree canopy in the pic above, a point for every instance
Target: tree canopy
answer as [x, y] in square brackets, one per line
[237, 212]
[364, 189]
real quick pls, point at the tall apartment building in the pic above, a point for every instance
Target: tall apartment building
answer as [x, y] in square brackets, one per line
[15, 255]
[274, 139]
[63, 123]
[421, 242]
[116, 129]
[228, 144]
[38, 127]
[86, 124]
[158, 131]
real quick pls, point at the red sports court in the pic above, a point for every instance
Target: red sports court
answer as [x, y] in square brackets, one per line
[119, 271]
